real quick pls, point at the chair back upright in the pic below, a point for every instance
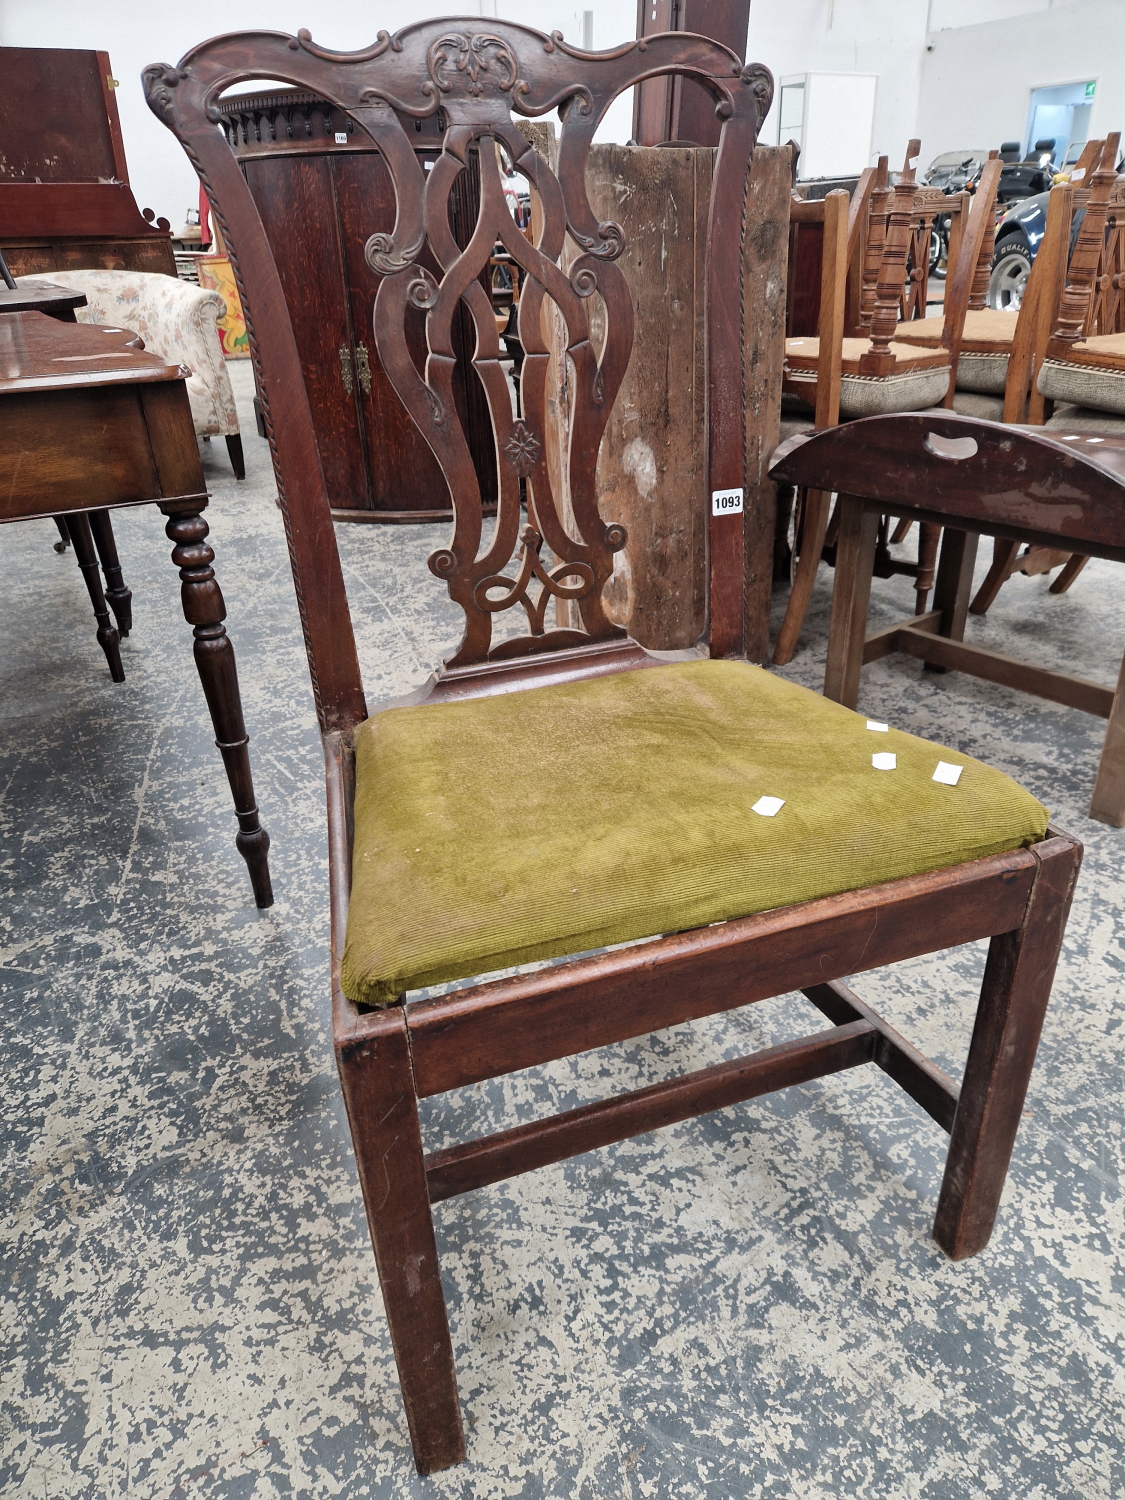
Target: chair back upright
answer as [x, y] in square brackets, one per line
[879, 359]
[965, 272]
[1082, 271]
[473, 77]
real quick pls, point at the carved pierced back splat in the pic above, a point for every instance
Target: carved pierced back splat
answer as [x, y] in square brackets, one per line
[477, 76]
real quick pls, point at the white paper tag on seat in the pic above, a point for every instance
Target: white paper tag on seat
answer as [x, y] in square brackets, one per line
[768, 807]
[874, 724]
[948, 775]
[726, 502]
[886, 760]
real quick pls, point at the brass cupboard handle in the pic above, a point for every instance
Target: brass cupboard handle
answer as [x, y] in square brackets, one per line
[346, 369]
[363, 368]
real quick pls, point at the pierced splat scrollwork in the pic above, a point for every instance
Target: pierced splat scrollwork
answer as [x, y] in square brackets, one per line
[476, 78]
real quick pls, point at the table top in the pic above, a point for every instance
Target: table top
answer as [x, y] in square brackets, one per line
[38, 353]
[40, 296]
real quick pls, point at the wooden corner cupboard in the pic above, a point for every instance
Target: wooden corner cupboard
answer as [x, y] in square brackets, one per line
[323, 191]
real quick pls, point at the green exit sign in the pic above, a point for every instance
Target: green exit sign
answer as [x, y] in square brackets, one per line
[1090, 87]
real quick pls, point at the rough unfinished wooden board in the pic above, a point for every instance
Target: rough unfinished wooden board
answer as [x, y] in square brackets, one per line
[652, 468]
[765, 251]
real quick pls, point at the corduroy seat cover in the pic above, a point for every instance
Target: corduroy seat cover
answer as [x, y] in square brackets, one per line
[535, 824]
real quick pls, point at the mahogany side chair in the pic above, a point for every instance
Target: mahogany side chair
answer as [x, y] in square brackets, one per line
[680, 837]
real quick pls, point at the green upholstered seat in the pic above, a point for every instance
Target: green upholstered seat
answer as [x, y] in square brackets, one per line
[557, 820]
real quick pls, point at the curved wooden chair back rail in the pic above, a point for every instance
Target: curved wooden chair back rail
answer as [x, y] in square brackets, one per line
[975, 478]
[390, 1058]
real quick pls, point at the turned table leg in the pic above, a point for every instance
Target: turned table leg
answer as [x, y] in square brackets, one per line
[78, 525]
[120, 598]
[205, 611]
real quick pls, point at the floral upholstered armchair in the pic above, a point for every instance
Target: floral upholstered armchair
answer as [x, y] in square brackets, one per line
[176, 320]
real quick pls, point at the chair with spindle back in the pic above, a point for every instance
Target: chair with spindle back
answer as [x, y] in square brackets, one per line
[714, 834]
[885, 374]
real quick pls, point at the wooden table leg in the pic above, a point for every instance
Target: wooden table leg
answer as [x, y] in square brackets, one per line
[120, 598]
[78, 525]
[205, 611]
[64, 536]
[1013, 1001]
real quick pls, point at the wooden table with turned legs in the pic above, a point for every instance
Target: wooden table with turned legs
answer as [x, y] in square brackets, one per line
[89, 420]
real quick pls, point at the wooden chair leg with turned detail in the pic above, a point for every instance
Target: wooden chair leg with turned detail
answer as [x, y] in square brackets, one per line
[688, 898]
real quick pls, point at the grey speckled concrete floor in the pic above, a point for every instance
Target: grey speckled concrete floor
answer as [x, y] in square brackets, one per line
[748, 1305]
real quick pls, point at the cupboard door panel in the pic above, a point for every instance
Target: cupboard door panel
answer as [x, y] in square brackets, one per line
[296, 200]
[405, 475]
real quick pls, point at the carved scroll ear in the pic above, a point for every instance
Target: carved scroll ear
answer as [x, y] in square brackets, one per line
[759, 80]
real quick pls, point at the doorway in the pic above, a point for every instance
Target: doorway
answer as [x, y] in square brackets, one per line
[1060, 113]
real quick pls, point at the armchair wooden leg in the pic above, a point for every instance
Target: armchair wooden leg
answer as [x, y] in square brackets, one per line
[378, 1087]
[814, 526]
[78, 526]
[236, 455]
[204, 609]
[851, 595]
[120, 598]
[1003, 555]
[1107, 804]
[1013, 1002]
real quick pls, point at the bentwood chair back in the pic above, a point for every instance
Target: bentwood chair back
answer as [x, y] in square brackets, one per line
[669, 839]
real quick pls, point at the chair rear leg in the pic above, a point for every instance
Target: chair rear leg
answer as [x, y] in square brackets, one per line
[1074, 565]
[78, 525]
[815, 524]
[236, 456]
[378, 1087]
[1107, 804]
[1013, 1002]
[120, 598]
[1003, 556]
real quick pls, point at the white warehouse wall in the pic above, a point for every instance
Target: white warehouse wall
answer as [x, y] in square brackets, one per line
[138, 32]
[885, 37]
[977, 80]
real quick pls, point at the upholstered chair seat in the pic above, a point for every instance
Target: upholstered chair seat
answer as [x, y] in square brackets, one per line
[920, 377]
[986, 342]
[464, 864]
[1091, 375]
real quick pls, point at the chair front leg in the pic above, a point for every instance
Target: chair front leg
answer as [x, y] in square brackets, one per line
[378, 1087]
[1013, 1002]
[205, 610]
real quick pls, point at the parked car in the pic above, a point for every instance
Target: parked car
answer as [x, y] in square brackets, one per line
[1018, 236]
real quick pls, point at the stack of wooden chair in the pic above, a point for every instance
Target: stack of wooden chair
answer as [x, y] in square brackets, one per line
[874, 370]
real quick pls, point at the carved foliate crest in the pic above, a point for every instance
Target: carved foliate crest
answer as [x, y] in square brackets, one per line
[478, 57]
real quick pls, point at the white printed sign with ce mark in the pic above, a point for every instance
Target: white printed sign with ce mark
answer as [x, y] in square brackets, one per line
[726, 502]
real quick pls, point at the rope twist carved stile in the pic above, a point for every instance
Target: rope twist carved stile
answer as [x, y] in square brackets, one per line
[476, 79]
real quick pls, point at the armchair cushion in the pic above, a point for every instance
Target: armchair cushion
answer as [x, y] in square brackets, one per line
[177, 320]
[536, 824]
